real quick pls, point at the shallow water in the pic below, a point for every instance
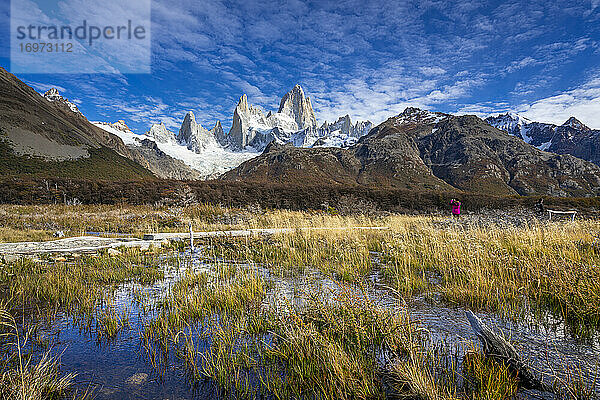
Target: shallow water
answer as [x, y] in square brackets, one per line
[120, 368]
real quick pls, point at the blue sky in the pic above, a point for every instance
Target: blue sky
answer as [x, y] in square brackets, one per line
[369, 59]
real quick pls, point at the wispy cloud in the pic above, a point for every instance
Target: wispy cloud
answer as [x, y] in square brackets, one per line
[44, 87]
[369, 59]
[582, 102]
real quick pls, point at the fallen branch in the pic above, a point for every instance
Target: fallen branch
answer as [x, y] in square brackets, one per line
[498, 348]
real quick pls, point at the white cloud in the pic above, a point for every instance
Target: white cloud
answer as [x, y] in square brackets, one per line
[44, 87]
[525, 62]
[430, 71]
[582, 102]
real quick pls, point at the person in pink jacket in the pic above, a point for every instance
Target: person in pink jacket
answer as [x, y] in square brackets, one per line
[455, 207]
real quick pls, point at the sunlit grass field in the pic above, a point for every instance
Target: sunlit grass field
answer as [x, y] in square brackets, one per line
[223, 325]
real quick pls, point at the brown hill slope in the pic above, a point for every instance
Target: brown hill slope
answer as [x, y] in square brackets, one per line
[423, 150]
[43, 138]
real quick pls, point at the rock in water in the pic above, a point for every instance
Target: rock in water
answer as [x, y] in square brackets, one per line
[137, 379]
[498, 348]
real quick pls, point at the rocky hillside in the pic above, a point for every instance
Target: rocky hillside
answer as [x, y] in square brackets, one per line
[49, 137]
[423, 150]
[572, 137]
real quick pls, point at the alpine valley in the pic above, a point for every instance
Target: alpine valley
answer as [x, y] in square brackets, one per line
[47, 135]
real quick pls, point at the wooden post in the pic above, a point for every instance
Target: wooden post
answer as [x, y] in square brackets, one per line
[191, 237]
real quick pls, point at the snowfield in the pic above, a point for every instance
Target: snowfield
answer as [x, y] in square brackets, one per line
[211, 163]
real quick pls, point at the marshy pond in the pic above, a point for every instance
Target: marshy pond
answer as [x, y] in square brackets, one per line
[339, 314]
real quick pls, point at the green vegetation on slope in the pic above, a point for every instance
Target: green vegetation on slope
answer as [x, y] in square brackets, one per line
[103, 163]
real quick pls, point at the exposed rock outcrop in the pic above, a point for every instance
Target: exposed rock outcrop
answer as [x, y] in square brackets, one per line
[194, 136]
[573, 137]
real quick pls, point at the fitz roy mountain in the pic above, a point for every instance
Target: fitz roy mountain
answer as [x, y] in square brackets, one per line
[293, 123]
[572, 137]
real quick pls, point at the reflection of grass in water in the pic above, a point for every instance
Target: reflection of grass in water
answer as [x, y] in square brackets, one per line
[326, 349]
[109, 323]
[36, 290]
[335, 345]
[21, 377]
[77, 287]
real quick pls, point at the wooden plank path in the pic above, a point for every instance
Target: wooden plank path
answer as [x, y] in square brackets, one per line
[247, 232]
[90, 244]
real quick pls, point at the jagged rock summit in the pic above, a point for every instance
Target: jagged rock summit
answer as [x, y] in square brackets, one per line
[572, 137]
[297, 106]
[425, 150]
[194, 136]
[54, 96]
[576, 124]
[161, 134]
[293, 123]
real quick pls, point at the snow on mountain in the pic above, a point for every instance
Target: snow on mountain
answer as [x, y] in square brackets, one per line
[416, 115]
[576, 124]
[295, 105]
[194, 136]
[121, 130]
[213, 160]
[572, 137]
[341, 133]
[514, 124]
[54, 96]
[160, 133]
[214, 152]
[293, 123]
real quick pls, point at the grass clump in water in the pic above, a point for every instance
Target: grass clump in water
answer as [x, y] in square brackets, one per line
[330, 346]
[21, 377]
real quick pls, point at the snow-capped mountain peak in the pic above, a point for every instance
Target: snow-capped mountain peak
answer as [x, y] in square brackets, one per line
[576, 124]
[161, 134]
[219, 134]
[193, 135]
[416, 115]
[212, 152]
[294, 123]
[54, 96]
[296, 105]
[509, 122]
[121, 130]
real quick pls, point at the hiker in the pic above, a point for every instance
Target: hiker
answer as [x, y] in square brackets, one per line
[455, 207]
[540, 205]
